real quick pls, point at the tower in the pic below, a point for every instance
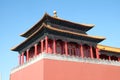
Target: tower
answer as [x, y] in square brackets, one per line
[57, 49]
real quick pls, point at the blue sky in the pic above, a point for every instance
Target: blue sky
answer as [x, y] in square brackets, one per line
[17, 16]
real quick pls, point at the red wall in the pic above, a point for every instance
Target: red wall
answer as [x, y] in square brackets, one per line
[64, 70]
[32, 72]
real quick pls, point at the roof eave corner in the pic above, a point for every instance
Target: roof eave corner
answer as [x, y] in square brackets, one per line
[102, 39]
[13, 49]
[25, 33]
[90, 25]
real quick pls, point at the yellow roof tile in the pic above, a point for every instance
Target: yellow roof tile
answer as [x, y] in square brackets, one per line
[108, 48]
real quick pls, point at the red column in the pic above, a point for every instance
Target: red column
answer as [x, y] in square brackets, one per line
[41, 46]
[109, 57]
[19, 59]
[81, 51]
[66, 48]
[22, 58]
[46, 44]
[91, 52]
[119, 59]
[54, 46]
[97, 53]
[36, 49]
[27, 56]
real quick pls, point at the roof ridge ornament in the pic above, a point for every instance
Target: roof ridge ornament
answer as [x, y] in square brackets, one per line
[54, 13]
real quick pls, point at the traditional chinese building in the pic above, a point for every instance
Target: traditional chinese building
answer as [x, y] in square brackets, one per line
[57, 49]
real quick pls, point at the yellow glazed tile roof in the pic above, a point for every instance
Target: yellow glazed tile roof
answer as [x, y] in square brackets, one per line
[108, 48]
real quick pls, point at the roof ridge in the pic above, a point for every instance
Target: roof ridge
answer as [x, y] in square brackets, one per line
[83, 24]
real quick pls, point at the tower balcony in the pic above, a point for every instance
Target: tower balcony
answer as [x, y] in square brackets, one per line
[64, 51]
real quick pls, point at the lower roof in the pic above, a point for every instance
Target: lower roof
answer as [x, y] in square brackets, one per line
[59, 30]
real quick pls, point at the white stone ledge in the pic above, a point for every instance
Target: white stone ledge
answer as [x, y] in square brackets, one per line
[64, 58]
